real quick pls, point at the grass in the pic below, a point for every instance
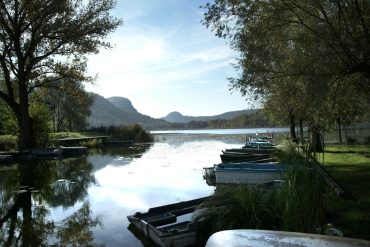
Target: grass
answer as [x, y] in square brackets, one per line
[348, 148]
[9, 142]
[60, 135]
[304, 204]
[352, 171]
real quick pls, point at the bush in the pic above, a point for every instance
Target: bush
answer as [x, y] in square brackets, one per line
[41, 117]
[133, 132]
[8, 142]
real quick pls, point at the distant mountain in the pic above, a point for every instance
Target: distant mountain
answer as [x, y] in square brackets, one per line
[104, 113]
[177, 117]
[117, 111]
[123, 104]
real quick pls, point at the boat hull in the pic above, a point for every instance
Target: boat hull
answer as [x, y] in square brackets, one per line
[245, 173]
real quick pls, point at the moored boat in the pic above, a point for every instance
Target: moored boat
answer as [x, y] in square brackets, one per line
[249, 173]
[250, 150]
[242, 157]
[160, 224]
[73, 151]
[259, 238]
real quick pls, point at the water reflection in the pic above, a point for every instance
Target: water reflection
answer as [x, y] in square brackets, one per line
[28, 192]
[87, 200]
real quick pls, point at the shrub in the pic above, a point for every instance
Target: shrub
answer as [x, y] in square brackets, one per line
[8, 142]
[133, 132]
[41, 117]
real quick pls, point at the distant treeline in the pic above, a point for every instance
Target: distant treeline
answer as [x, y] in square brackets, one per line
[134, 132]
[258, 119]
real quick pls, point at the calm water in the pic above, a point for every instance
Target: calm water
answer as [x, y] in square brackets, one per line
[86, 200]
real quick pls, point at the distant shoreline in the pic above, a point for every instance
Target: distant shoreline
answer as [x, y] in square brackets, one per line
[238, 131]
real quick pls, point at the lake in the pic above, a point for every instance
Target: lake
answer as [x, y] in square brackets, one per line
[87, 199]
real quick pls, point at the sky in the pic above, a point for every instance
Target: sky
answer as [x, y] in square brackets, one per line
[163, 60]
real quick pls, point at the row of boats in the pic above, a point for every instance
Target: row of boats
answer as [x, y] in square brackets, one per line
[254, 163]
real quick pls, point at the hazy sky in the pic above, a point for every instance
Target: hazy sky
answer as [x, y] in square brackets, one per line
[165, 60]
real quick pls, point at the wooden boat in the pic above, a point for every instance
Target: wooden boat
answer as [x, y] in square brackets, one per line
[250, 150]
[38, 153]
[259, 238]
[259, 143]
[74, 151]
[160, 224]
[242, 157]
[249, 173]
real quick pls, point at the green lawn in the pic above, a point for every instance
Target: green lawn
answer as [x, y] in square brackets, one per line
[60, 135]
[348, 148]
[352, 171]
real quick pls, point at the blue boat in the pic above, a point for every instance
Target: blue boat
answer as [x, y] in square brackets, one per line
[249, 173]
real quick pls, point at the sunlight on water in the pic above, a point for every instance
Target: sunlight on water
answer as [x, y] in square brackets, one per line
[105, 187]
[170, 171]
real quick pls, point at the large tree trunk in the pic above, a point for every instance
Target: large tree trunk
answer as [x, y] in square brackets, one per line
[293, 135]
[316, 140]
[26, 138]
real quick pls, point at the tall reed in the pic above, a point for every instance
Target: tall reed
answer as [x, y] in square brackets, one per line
[294, 205]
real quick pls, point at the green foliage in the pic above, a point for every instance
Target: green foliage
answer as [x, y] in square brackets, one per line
[133, 132]
[53, 40]
[41, 118]
[238, 207]
[69, 103]
[60, 135]
[8, 142]
[8, 122]
[302, 59]
[257, 119]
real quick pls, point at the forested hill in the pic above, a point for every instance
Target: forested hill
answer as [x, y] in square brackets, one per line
[176, 117]
[119, 110]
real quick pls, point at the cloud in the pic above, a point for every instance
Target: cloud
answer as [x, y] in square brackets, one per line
[162, 52]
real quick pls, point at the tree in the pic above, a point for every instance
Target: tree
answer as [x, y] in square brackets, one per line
[292, 53]
[45, 41]
[69, 103]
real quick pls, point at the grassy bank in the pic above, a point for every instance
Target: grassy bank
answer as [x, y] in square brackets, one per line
[134, 133]
[302, 204]
[350, 166]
